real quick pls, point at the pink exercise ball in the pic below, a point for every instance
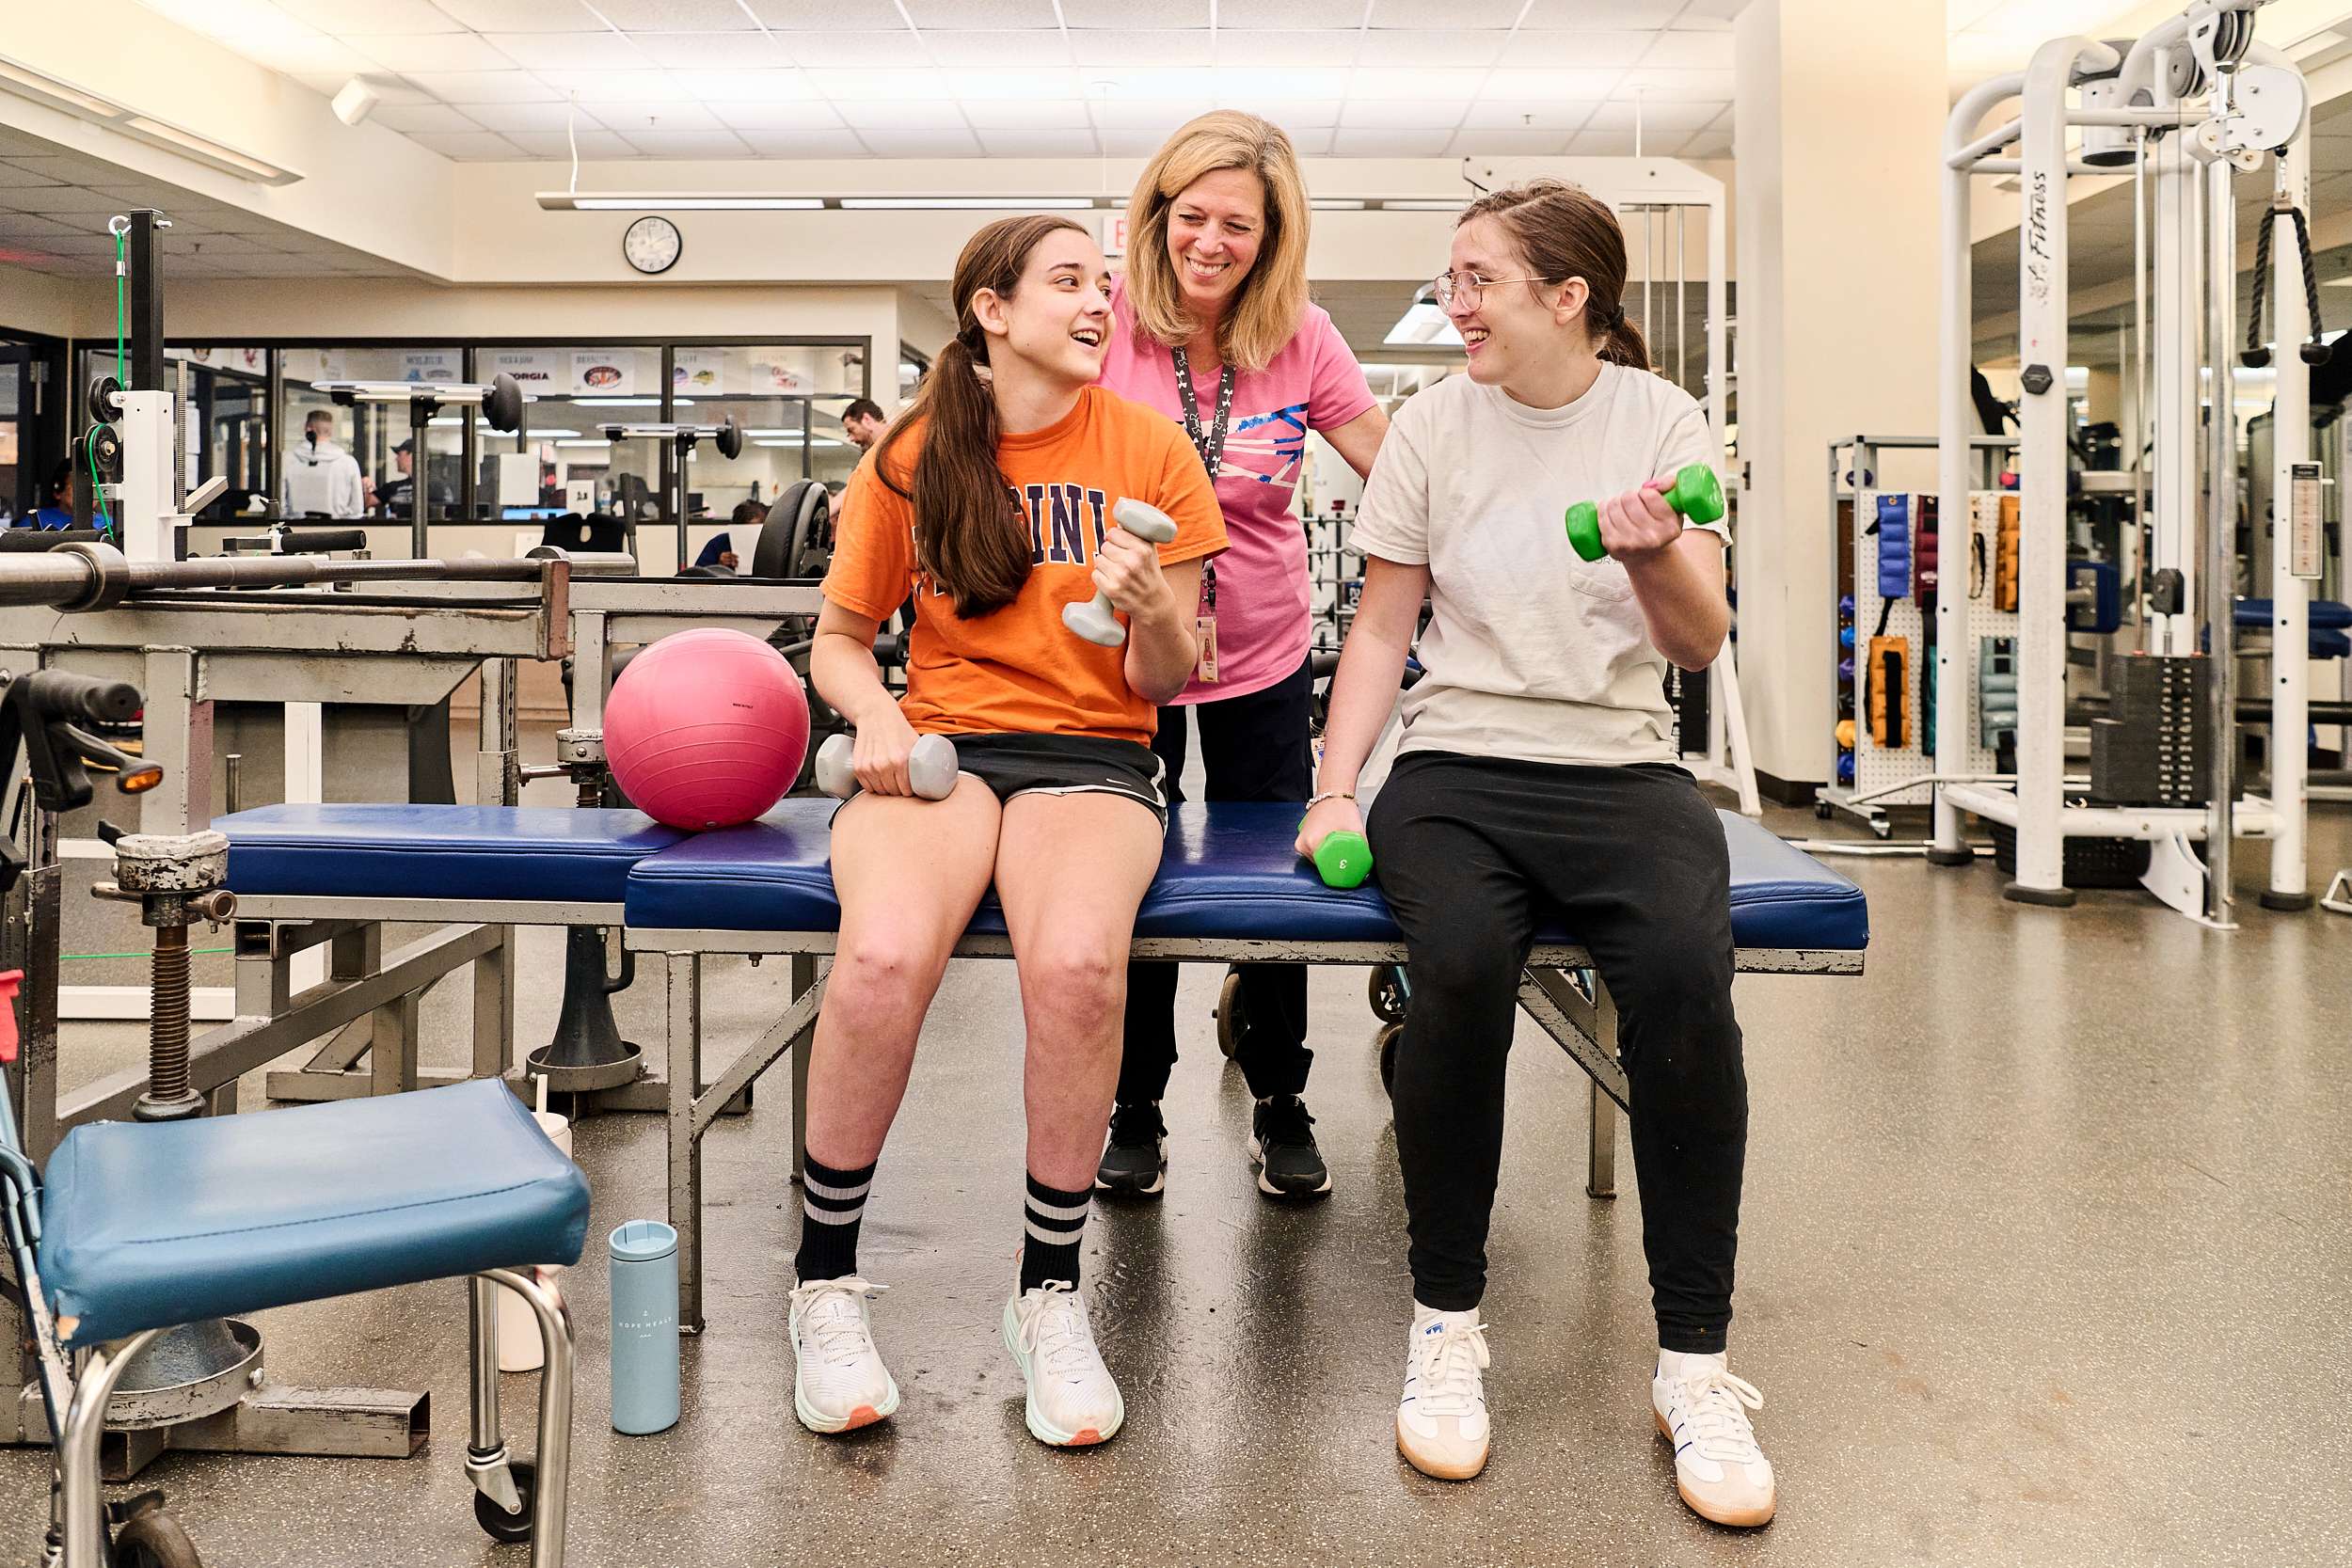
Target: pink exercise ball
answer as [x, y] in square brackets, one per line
[705, 729]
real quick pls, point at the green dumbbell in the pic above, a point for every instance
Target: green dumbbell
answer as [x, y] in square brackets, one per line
[1697, 493]
[1343, 859]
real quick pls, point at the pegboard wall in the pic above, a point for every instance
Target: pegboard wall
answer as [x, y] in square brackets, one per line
[1978, 572]
[1880, 766]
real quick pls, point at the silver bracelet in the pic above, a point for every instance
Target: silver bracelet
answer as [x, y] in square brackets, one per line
[1329, 795]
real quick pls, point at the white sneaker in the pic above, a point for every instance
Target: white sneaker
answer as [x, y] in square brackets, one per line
[1072, 1401]
[1719, 1470]
[838, 1380]
[1441, 1424]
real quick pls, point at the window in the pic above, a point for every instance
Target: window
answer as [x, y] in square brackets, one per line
[319, 434]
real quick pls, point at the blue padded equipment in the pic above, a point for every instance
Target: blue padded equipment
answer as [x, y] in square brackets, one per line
[1229, 871]
[427, 851]
[147, 1225]
[2324, 614]
[2331, 644]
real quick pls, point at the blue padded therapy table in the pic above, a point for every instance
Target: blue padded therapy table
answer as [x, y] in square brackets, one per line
[1229, 890]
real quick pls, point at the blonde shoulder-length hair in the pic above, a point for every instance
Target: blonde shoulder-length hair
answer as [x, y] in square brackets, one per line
[1273, 298]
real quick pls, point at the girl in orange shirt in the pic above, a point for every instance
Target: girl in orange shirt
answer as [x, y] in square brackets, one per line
[991, 504]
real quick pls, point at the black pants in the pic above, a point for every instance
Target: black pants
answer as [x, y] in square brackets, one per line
[1255, 748]
[1469, 850]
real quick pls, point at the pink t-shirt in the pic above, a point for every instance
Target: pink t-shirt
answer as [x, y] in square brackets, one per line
[1313, 384]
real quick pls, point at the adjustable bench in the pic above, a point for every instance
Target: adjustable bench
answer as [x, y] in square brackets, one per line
[1230, 889]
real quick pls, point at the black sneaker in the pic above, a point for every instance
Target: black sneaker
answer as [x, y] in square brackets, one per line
[1283, 1148]
[1134, 1162]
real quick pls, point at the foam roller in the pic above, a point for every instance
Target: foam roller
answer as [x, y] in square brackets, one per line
[1093, 619]
[930, 769]
[1697, 493]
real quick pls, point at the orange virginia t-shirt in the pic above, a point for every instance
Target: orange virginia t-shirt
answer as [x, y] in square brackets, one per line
[1019, 671]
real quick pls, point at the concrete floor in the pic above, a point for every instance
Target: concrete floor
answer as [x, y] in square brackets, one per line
[2045, 1257]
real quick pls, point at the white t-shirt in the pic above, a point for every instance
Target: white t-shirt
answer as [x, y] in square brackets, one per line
[1530, 652]
[323, 479]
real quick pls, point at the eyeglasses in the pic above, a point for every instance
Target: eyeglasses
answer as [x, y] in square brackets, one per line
[1467, 287]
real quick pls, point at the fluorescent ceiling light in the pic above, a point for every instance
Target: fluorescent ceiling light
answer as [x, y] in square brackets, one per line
[630, 403]
[966, 203]
[1422, 325]
[675, 201]
[814, 441]
[601, 446]
[1416, 204]
[29, 82]
[1336, 203]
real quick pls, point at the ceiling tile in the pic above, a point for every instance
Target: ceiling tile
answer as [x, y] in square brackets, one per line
[688, 144]
[630, 118]
[870, 87]
[603, 88]
[1390, 82]
[1030, 114]
[1706, 144]
[1117, 46]
[296, 53]
[711, 51]
[1137, 142]
[412, 118]
[1589, 50]
[1602, 144]
[71, 200]
[939, 143]
[929, 114]
[30, 226]
[1710, 14]
[1687, 86]
[1446, 14]
[467, 146]
[434, 52]
[768, 115]
[353, 19]
[1038, 144]
[1331, 48]
[864, 51]
[1485, 141]
[593, 144]
[1241, 15]
[1620, 114]
[823, 16]
[1538, 86]
[528, 116]
[674, 16]
[25, 177]
[806, 143]
[1159, 115]
[1600, 13]
[1297, 114]
[997, 48]
[742, 86]
[933, 15]
[502, 88]
[1389, 144]
[569, 50]
[1370, 114]
[1680, 50]
[1531, 113]
[1121, 13]
[1001, 85]
[1465, 46]
[525, 16]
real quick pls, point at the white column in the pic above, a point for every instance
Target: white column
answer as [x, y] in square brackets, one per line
[1837, 235]
[2290, 636]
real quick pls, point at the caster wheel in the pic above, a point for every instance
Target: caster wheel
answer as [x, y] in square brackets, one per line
[150, 1538]
[1881, 827]
[1386, 1042]
[1228, 1014]
[1388, 994]
[1820, 809]
[495, 1522]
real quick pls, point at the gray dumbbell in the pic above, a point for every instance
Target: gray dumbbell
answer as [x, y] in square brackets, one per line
[1092, 620]
[932, 769]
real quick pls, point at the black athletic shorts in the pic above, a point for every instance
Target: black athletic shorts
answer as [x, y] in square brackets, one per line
[1014, 765]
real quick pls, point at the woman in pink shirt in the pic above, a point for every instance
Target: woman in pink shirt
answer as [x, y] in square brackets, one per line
[1213, 328]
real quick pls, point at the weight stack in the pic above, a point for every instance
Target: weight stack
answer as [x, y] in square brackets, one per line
[2156, 748]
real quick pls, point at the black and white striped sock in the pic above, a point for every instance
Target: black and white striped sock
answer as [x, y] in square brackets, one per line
[1055, 1222]
[833, 1204]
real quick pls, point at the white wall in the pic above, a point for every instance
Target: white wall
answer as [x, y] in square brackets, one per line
[1838, 326]
[36, 302]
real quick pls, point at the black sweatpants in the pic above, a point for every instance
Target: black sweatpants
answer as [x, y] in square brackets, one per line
[1469, 850]
[1254, 748]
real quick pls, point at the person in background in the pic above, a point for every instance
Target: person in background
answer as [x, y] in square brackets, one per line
[397, 494]
[56, 504]
[1215, 331]
[322, 479]
[863, 423]
[744, 524]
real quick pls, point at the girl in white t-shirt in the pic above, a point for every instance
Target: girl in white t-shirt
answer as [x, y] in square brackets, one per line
[1536, 785]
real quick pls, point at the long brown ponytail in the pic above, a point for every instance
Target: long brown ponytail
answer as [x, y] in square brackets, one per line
[967, 538]
[1566, 232]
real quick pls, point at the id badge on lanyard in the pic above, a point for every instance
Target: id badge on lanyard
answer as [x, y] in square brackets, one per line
[1210, 444]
